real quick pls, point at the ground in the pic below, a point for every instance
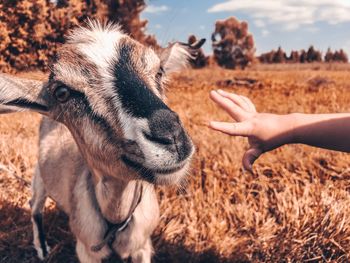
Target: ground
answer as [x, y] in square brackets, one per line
[295, 207]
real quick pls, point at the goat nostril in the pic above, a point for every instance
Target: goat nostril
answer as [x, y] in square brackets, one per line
[159, 140]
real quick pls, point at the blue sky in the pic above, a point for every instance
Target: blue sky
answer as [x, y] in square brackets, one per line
[292, 24]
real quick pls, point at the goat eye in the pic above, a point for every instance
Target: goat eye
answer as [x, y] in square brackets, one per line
[62, 94]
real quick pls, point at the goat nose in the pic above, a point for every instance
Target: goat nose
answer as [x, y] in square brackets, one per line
[165, 127]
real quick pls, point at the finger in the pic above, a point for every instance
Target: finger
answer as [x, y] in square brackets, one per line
[249, 103]
[250, 157]
[235, 129]
[230, 107]
[237, 99]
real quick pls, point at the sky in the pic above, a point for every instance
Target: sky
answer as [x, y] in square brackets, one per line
[291, 24]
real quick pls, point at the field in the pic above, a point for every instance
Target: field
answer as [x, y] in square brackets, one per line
[295, 207]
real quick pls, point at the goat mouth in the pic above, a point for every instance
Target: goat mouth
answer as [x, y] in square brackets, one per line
[147, 172]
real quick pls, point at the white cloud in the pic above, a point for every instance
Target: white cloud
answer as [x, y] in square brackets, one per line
[259, 23]
[158, 26]
[265, 32]
[289, 14]
[312, 29]
[202, 27]
[153, 9]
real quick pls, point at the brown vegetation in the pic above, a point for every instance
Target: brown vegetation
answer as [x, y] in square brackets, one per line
[295, 207]
[233, 45]
[310, 56]
[31, 31]
[337, 56]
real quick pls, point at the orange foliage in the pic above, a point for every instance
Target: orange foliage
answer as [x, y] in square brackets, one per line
[232, 44]
[32, 30]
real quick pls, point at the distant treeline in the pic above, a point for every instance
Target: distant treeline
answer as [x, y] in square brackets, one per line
[302, 56]
[41, 26]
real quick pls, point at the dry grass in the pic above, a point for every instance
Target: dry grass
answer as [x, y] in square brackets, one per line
[295, 207]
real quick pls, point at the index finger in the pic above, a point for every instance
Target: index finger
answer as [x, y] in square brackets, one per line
[234, 110]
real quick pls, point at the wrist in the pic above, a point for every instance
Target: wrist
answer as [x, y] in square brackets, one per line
[292, 127]
[288, 133]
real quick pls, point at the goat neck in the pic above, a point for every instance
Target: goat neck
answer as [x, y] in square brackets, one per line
[115, 197]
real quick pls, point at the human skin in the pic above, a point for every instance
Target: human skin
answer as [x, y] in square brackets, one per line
[266, 131]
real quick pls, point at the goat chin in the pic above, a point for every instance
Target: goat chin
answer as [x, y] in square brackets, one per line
[174, 178]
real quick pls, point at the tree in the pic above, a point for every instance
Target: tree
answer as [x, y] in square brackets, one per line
[329, 55]
[279, 56]
[303, 56]
[127, 14]
[267, 57]
[232, 44]
[340, 56]
[32, 30]
[294, 57]
[313, 55]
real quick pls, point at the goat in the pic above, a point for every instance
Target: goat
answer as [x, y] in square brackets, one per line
[106, 138]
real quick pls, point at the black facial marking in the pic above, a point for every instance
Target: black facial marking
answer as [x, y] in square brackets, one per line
[159, 79]
[51, 76]
[24, 103]
[136, 98]
[93, 116]
[82, 107]
[39, 223]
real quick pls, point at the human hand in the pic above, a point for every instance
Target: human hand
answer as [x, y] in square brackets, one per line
[265, 132]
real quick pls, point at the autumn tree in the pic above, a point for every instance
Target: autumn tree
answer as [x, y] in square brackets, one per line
[303, 56]
[273, 56]
[294, 57]
[340, 56]
[313, 55]
[267, 57]
[127, 14]
[32, 30]
[232, 44]
[279, 56]
[329, 55]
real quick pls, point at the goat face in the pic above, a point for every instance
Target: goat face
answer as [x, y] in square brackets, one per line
[108, 90]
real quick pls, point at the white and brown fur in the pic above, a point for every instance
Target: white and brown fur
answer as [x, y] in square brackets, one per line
[108, 134]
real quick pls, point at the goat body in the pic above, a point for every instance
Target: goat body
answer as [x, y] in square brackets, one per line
[106, 139]
[89, 200]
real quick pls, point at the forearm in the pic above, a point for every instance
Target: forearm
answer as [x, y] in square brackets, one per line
[329, 131]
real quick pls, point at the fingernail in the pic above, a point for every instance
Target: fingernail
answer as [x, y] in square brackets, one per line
[212, 124]
[220, 91]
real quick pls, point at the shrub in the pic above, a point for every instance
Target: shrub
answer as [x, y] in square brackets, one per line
[309, 56]
[329, 56]
[294, 57]
[32, 30]
[340, 56]
[313, 55]
[232, 44]
[279, 56]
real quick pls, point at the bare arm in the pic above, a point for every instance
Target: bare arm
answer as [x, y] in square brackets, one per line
[266, 131]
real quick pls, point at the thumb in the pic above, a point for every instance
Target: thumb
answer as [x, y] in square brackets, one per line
[250, 157]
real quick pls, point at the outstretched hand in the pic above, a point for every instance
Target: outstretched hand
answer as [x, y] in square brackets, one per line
[264, 131]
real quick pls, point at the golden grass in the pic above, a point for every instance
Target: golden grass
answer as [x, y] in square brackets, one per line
[295, 207]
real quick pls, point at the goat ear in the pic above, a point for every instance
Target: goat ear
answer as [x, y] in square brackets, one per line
[18, 94]
[177, 55]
